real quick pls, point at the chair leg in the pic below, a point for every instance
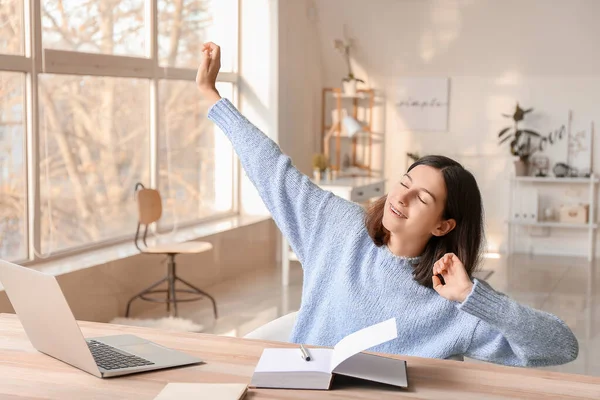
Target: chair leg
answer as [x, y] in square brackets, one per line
[202, 293]
[169, 296]
[171, 280]
[143, 292]
[172, 277]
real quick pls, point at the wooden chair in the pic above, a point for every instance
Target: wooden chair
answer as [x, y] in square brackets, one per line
[150, 211]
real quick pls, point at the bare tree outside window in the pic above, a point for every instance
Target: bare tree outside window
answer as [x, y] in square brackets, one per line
[97, 130]
[194, 169]
[94, 131]
[13, 198]
[95, 26]
[11, 27]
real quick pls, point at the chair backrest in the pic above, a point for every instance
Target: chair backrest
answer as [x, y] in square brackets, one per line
[149, 206]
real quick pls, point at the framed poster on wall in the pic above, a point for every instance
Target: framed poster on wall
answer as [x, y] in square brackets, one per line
[422, 104]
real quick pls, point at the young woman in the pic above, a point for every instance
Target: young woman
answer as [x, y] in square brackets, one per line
[410, 256]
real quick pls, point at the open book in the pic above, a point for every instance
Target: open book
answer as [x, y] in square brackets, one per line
[286, 368]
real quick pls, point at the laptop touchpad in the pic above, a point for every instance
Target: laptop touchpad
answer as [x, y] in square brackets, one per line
[144, 350]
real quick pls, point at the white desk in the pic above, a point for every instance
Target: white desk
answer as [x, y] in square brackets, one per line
[359, 190]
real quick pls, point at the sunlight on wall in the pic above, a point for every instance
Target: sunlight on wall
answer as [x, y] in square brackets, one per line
[445, 18]
[510, 77]
[494, 256]
[258, 85]
[223, 33]
[223, 172]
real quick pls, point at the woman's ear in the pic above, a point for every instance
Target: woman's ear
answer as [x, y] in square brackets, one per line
[444, 227]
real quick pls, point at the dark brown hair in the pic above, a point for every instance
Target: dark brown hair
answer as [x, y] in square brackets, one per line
[463, 204]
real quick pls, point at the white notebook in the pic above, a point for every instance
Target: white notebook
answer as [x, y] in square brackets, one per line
[286, 368]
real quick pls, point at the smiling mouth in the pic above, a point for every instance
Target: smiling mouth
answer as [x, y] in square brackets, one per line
[397, 212]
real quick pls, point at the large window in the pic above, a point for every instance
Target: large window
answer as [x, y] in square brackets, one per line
[193, 160]
[13, 198]
[103, 97]
[95, 26]
[94, 135]
[11, 27]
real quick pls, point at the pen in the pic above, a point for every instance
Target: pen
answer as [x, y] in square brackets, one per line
[305, 354]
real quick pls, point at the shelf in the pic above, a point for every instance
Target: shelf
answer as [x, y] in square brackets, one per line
[555, 225]
[552, 179]
[360, 95]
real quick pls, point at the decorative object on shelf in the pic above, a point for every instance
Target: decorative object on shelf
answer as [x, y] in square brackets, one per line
[554, 143]
[320, 164]
[548, 214]
[410, 159]
[574, 213]
[562, 170]
[422, 104]
[352, 126]
[346, 162]
[516, 224]
[413, 156]
[520, 140]
[350, 81]
[526, 205]
[580, 150]
[541, 165]
[348, 125]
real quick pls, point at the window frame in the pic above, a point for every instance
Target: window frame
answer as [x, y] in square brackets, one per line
[36, 60]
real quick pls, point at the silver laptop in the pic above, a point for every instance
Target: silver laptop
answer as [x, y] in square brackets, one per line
[52, 329]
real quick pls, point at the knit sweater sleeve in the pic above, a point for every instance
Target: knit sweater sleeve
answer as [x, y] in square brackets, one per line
[301, 209]
[512, 334]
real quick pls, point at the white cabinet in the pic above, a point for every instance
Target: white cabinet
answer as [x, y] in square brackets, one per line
[359, 190]
[524, 210]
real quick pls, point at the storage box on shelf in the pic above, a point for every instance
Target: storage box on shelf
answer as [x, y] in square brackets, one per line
[524, 208]
[574, 214]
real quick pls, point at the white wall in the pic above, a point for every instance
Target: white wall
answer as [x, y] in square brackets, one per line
[258, 89]
[300, 81]
[540, 52]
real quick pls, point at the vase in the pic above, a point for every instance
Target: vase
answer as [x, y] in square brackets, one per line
[349, 87]
[317, 175]
[521, 168]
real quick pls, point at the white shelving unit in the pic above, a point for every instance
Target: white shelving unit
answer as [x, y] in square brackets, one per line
[590, 227]
[545, 224]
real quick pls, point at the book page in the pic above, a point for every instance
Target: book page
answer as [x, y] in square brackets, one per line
[290, 360]
[363, 340]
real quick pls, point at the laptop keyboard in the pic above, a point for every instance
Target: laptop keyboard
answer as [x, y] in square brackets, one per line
[108, 357]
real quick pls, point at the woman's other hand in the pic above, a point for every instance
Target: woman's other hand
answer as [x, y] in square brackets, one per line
[457, 284]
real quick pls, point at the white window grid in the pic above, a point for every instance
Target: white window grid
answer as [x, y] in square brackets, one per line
[38, 60]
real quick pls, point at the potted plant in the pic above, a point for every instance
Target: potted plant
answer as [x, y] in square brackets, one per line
[350, 81]
[520, 140]
[411, 158]
[320, 164]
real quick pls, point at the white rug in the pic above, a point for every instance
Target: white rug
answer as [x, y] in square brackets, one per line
[166, 323]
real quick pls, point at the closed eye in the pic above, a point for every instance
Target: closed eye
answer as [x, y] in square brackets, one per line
[404, 185]
[422, 201]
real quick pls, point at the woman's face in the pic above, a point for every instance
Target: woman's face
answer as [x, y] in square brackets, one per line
[415, 205]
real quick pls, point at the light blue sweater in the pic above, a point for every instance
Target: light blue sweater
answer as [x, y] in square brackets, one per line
[350, 283]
